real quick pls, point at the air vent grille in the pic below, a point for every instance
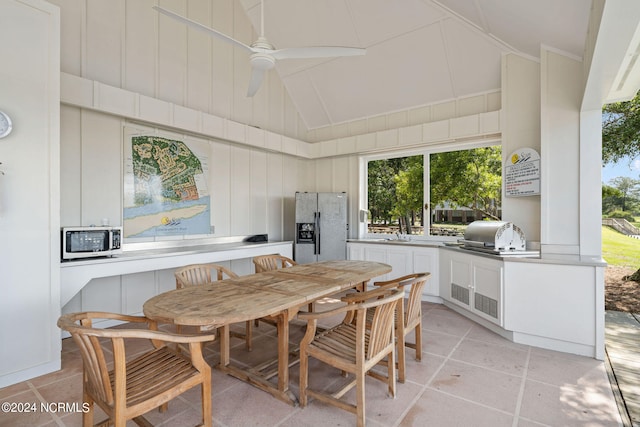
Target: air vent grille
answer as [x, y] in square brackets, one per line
[486, 305]
[460, 293]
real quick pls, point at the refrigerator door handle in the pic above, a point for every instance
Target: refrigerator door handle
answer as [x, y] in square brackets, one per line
[318, 235]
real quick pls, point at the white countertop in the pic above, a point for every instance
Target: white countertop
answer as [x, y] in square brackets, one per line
[148, 252]
[76, 274]
[530, 256]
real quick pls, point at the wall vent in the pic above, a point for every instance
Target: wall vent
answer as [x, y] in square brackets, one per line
[460, 293]
[486, 305]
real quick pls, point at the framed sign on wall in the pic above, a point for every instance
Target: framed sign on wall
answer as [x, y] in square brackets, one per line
[522, 173]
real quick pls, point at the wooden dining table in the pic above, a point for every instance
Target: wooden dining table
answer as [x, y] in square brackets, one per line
[278, 293]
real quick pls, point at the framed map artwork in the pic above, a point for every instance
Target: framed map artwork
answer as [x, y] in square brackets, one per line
[165, 187]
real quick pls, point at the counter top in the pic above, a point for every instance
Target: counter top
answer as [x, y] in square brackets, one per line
[530, 257]
[422, 243]
[147, 252]
[139, 258]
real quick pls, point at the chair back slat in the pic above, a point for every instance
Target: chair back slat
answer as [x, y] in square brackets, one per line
[413, 310]
[200, 274]
[415, 283]
[272, 262]
[95, 367]
[381, 333]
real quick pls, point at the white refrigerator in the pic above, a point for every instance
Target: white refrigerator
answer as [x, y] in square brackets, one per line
[321, 227]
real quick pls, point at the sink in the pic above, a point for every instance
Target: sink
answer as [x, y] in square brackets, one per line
[394, 240]
[406, 242]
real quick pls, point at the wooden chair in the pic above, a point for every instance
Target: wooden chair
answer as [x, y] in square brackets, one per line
[353, 347]
[411, 315]
[269, 263]
[150, 380]
[200, 274]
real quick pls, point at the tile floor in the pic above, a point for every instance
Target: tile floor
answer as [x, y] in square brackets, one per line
[468, 377]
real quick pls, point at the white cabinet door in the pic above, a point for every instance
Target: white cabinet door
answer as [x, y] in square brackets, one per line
[425, 260]
[460, 291]
[355, 252]
[400, 258]
[487, 289]
[377, 254]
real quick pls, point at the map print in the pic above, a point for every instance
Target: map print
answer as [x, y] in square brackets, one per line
[165, 189]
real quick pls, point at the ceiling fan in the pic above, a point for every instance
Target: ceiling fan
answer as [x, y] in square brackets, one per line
[263, 55]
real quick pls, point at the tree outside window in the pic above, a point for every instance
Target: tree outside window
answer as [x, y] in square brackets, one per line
[461, 186]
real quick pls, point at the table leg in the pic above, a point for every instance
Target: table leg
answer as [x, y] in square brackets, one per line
[283, 352]
[260, 375]
[224, 346]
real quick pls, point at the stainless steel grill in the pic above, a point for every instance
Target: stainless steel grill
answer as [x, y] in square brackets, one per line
[495, 237]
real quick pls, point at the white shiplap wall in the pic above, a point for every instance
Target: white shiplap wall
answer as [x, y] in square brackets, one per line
[128, 45]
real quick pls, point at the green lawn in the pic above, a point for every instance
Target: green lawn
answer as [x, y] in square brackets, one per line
[620, 250]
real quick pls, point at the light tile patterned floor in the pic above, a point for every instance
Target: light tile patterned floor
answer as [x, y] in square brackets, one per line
[468, 377]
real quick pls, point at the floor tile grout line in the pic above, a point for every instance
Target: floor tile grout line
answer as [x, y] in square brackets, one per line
[475, 365]
[431, 378]
[298, 409]
[53, 415]
[473, 402]
[525, 373]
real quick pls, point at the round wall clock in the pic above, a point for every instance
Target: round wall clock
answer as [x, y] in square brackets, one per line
[5, 124]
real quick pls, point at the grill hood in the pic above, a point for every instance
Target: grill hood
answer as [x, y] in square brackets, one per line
[495, 236]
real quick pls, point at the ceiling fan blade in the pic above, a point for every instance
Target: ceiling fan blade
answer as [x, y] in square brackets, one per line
[203, 28]
[257, 76]
[316, 52]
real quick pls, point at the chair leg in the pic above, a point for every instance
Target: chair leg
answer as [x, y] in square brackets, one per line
[401, 357]
[391, 374]
[418, 333]
[206, 403]
[360, 401]
[304, 378]
[119, 420]
[87, 417]
[248, 335]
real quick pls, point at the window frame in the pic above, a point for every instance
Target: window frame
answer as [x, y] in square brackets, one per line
[425, 152]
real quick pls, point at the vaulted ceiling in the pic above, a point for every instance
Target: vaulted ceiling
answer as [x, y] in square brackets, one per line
[419, 52]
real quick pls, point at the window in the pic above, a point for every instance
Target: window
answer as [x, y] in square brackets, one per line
[433, 193]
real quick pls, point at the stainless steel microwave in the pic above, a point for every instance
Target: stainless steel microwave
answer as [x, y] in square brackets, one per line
[88, 242]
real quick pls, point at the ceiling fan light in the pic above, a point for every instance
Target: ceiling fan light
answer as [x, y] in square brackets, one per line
[262, 61]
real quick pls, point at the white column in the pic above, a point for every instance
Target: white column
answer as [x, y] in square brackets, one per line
[521, 128]
[591, 184]
[561, 94]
